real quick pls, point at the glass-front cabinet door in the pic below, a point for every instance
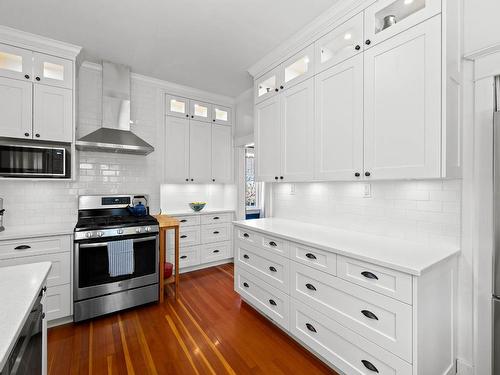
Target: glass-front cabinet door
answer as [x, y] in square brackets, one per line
[16, 62]
[340, 44]
[298, 68]
[177, 106]
[53, 71]
[221, 115]
[386, 18]
[200, 111]
[266, 86]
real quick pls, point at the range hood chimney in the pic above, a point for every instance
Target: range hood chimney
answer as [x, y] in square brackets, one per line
[115, 134]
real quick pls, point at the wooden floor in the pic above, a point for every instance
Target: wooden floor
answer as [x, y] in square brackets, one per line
[207, 331]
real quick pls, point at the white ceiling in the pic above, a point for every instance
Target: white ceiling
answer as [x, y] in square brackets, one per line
[207, 44]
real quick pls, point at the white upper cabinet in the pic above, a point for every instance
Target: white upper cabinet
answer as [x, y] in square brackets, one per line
[53, 71]
[200, 111]
[177, 106]
[340, 44]
[267, 85]
[221, 115]
[268, 140]
[386, 18]
[297, 121]
[338, 144]
[177, 150]
[403, 104]
[297, 68]
[200, 151]
[15, 108]
[16, 62]
[52, 114]
[222, 166]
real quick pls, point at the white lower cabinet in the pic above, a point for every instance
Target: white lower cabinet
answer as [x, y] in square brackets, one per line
[204, 240]
[54, 249]
[358, 317]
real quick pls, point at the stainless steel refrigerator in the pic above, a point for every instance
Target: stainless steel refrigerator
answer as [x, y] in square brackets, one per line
[496, 223]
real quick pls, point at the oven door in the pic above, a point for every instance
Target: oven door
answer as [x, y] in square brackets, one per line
[92, 277]
[32, 161]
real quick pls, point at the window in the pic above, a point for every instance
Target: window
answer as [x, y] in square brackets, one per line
[251, 187]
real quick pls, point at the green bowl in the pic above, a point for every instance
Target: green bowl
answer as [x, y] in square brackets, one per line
[198, 206]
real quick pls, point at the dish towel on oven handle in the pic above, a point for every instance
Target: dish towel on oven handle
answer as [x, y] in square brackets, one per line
[121, 257]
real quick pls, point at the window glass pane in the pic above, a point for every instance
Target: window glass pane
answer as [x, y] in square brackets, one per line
[396, 12]
[338, 44]
[297, 69]
[220, 114]
[53, 71]
[200, 111]
[267, 85]
[250, 185]
[177, 106]
[8, 61]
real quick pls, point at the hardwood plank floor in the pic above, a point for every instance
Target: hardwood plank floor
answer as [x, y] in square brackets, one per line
[208, 330]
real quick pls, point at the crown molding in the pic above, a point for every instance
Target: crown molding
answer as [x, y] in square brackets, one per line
[38, 43]
[340, 12]
[173, 88]
[483, 52]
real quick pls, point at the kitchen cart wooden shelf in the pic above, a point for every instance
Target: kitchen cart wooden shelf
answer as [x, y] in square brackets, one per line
[168, 223]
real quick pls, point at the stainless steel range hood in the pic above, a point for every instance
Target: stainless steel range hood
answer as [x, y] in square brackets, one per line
[115, 134]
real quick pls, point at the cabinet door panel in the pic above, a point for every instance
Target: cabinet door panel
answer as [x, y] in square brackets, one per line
[338, 145]
[177, 150]
[267, 85]
[297, 68]
[52, 114]
[221, 154]
[16, 63]
[200, 151]
[403, 104]
[267, 139]
[177, 106]
[53, 71]
[200, 111]
[15, 108]
[297, 121]
[221, 115]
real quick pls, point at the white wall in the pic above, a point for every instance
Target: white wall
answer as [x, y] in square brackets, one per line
[176, 197]
[243, 130]
[481, 24]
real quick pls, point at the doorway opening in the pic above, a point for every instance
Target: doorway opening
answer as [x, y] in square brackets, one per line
[253, 189]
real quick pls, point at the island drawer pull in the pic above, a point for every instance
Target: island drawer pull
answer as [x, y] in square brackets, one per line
[311, 256]
[272, 302]
[369, 275]
[246, 256]
[310, 287]
[216, 232]
[183, 256]
[216, 251]
[216, 218]
[22, 247]
[369, 365]
[183, 236]
[183, 221]
[273, 244]
[369, 314]
[272, 269]
[245, 285]
[246, 235]
[311, 328]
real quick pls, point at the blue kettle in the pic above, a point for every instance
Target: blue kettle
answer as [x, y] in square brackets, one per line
[138, 210]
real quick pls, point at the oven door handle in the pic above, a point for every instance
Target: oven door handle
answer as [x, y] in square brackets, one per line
[99, 244]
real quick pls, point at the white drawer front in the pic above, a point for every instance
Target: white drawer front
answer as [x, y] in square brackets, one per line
[189, 236]
[216, 218]
[215, 233]
[60, 272]
[215, 251]
[247, 236]
[348, 351]
[189, 256]
[381, 319]
[35, 246]
[380, 279]
[57, 302]
[189, 220]
[273, 244]
[271, 268]
[320, 259]
[270, 301]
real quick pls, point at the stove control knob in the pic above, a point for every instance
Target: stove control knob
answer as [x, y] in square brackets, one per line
[119, 231]
[100, 234]
[88, 234]
[138, 230]
[147, 229]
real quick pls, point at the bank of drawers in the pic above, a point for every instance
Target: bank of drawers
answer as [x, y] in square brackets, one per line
[54, 249]
[358, 311]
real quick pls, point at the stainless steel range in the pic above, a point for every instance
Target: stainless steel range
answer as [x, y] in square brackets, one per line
[115, 255]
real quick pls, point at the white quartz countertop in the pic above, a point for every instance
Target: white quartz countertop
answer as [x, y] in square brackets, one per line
[29, 231]
[19, 289]
[205, 211]
[401, 255]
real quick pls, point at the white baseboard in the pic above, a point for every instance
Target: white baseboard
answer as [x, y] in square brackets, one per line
[464, 368]
[60, 321]
[206, 265]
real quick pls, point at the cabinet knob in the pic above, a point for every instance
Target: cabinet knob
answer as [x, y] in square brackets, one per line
[213, 179]
[37, 135]
[37, 78]
[276, 89]
[192, 116]
[368, 42]
[275, 177]
[281, 87]
[358, 47]
[367, 174]
[187, 179]
[281, 177]
[27, 76]
[26, 134]
[192, 179]
[213, 120]
[357, 174]
[187, 115]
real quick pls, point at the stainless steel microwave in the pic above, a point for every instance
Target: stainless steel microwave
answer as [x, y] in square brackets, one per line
[33, 161]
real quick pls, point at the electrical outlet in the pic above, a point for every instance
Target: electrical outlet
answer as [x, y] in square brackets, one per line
[292, 189]
[367, 191]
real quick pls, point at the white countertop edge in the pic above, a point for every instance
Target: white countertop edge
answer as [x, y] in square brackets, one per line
[202, 212]
[27, 231]
[6, 349]
[352, 253]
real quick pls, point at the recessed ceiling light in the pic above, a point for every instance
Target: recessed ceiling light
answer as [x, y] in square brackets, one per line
[348, 36]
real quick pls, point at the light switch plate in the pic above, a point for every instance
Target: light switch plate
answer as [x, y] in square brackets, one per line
[367, 191]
